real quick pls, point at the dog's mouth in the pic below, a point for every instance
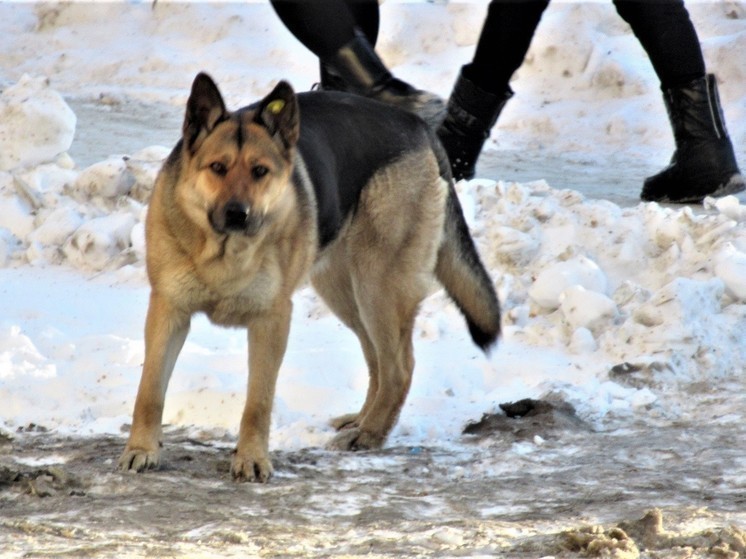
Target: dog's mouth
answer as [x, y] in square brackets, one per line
[236, 217]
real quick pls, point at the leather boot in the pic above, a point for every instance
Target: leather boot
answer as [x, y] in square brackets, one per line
[704, 163]
[329, 80]
[357, 67]
[471, 114]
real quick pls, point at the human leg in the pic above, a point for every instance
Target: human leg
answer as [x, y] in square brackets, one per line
[503, 43]
[667, 34]
[323, 27]
[481, 90]
[704, 162]
[366, 18]
[348, 60]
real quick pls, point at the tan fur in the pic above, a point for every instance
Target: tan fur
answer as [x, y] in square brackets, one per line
[374, 276]
[237, 282]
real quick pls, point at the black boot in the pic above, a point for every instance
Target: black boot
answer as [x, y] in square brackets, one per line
[471, 114]
[357, 68]
[330, 81]
[704, 163]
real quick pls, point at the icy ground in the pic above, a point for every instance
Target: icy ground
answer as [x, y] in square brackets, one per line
[671, 490]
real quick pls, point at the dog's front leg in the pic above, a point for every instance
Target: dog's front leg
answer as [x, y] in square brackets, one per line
[165, 332]
[268, 335]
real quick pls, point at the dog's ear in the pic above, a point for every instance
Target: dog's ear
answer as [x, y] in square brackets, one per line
[205, 108]
[278, 113]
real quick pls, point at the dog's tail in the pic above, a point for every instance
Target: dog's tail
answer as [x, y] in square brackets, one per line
[464, 277]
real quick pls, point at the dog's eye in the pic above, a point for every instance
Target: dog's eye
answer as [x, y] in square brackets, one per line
[219, 168]
[258, 171]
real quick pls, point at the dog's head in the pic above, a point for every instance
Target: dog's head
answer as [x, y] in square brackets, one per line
[238, 164]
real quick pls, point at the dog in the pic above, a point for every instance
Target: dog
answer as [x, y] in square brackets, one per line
[356, 195]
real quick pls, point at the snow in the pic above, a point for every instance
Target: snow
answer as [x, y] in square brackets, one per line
[585, 284]
[37, 124]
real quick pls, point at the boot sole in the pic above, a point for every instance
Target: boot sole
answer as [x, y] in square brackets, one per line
[734, 185]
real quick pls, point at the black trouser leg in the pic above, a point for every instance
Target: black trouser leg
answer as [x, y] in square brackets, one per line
[367, 18]
[342, 33]
[481, 90]
[667, 34]
[503, 43]
[704, 162]
[325, 26]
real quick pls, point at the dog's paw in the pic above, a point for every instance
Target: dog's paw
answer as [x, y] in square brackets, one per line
[139, 459]
[347, 421]
[355, 438]
[248, 466]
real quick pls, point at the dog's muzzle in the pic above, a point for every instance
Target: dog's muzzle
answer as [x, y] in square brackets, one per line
[236, 217]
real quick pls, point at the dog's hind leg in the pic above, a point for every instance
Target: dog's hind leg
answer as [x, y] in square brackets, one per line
[351, 420]
[334, 285]
[391, 248]
[389, 319]
[391, 254]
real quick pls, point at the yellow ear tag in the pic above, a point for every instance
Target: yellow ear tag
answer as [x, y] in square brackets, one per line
[276, 106]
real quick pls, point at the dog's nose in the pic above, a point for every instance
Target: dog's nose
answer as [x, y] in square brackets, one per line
[234, 216]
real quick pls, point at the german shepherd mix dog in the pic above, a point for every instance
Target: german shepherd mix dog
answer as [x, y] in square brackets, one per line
[354, 193]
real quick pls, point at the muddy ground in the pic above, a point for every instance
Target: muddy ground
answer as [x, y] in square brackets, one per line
[539, 485]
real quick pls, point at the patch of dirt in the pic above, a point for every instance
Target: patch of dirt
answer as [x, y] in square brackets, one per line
[528, 419]
[595, 541]
[674, 491]
[647, 537]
